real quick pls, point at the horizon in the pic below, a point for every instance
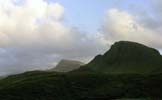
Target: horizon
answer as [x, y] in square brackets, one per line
[36, 34]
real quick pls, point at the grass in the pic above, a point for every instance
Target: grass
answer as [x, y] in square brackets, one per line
[61, 86]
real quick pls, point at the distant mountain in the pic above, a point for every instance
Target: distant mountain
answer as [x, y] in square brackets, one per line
[67, 65]
[127, 57]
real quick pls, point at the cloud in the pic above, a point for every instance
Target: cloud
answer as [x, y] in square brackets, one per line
[33, 36]
[120, 25]
[56, 9]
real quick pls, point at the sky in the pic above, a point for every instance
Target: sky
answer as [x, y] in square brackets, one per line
[36, 34]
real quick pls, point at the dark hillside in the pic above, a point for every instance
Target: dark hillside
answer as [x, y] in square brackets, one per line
[127, 57]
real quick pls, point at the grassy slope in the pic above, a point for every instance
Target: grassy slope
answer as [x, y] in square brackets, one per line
[59, 86]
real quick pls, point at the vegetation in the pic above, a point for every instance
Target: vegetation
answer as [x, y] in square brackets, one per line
[61, 86]
[127, 70]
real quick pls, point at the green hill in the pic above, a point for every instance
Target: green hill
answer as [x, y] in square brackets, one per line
[127, 70]
[89, 86]
[127, 57]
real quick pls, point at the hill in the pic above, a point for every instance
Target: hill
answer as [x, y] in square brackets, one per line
[127, 70]
[67, 65]
[127, 57]
[89, 86]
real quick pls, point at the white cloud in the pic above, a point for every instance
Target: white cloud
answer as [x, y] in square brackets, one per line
[120, 25]
[33, 36]
[32, 22]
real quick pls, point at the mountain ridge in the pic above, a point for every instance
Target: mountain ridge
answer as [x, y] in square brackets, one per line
[127, 56]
